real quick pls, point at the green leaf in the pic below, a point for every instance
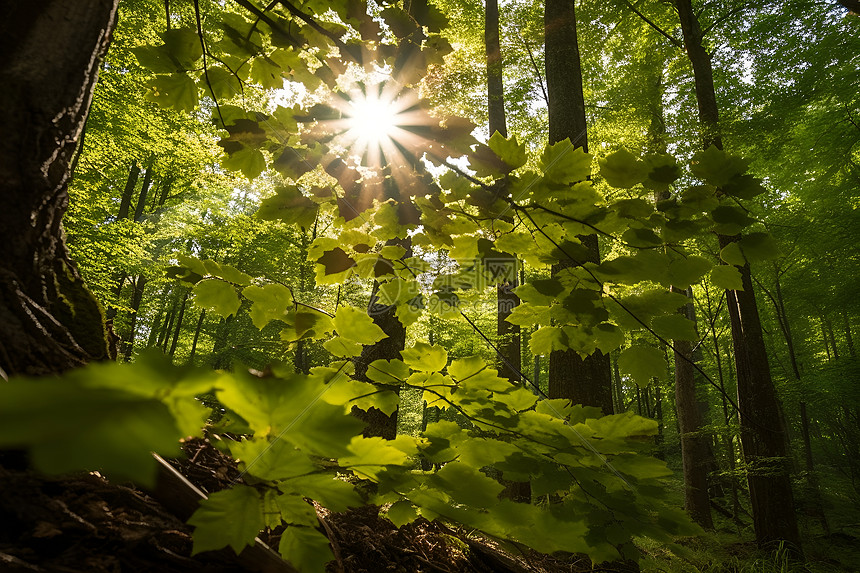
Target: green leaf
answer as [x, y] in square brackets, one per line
[730, 220]
[68, 427]
[642, 363]
[388, 371]
[716, 167]
[333, 493]
[220, 83]
[226, 272]
[177, 91]
[674, 327]
[271, 460]
[218, 296]
[663, 171]
[641, 238]
[401, 513]
[467, 367]
[156, 59]
[727, 277]
[289, 206]
[733, 255]
[336, 261]
[231, 517]
[183, 45]
[688, 271]
[370, 455]
[758, 247]
[267, 73]
[356, 325]
[744, 187]
[306, 548]
[547, 339]
[467, 485]
[641, 467]
[512, 153]
[623, 169]
[294, 509]
[270, 302]
[425, 358]
[249, 161]
[562, 163]
[342, 347]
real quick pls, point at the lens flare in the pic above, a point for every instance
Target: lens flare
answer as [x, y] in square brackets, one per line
[371, 120]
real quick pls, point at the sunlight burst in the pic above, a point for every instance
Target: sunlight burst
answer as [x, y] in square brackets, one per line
[372, 120]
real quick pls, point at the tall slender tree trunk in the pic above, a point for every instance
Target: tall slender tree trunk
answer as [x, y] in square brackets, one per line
[829, 325]
[762, 433]
[128, 192]
[144, 189]
[178, 328]
[508, 335]
[583, 380]
[168, 324]
[49, 320]
[196, 336]
[825, 339]
[136, 298]
[849, 339]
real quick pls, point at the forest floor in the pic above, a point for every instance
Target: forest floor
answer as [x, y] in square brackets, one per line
[86, 524]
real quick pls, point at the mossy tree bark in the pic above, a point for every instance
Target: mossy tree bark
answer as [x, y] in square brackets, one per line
[49, 321]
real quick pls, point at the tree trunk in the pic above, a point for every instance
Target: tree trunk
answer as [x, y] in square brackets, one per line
[507, 334]
[136, 298]
[846, 325]
[49, 321]
[587, 380]
[168, 324]
[196, 336]
[128, 192]
[693, 443]
[378, 423]
[144, 189]
[829, 326]
[762, 434]
[178, 326]
[166, 186]
[695, 453]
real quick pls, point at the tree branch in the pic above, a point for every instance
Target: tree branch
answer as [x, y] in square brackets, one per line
[675, 41]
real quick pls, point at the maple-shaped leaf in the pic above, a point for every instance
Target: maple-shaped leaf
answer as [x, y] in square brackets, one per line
[336, 261]
[231, 517]
[218, 296]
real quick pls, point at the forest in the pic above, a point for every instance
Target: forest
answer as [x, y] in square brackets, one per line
[430, 285]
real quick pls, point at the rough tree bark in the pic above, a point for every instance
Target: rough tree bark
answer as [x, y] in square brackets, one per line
[583, 380]
[49, 321]
[507, 334]
[762, 433]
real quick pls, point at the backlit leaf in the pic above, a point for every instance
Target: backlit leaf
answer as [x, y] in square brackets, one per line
[176, 91]
[623, 169]
[306, 548]
[270, 302]
[642, 363]
[231, 517]
[356, 325]
[333, 493]
[727, 277]
[425, 358]
[218, 296]
[562, 163]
